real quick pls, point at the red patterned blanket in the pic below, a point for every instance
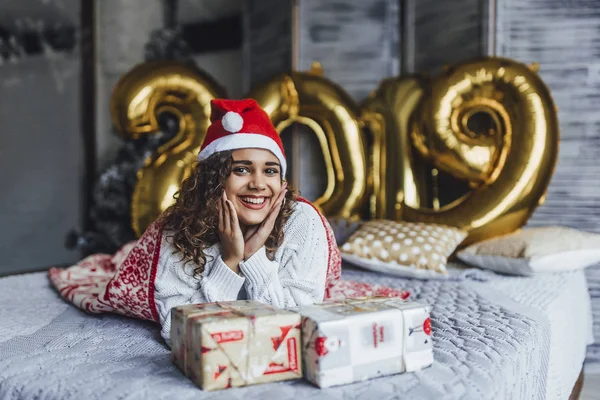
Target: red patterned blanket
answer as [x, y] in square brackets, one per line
[124, 282]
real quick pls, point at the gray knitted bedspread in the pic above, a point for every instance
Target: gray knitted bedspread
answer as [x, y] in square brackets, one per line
[486, 346]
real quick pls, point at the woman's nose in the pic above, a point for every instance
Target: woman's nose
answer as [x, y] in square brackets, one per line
[257, 182]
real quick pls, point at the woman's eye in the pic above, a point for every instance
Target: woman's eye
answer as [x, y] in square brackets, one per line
[272, 171]
[241, 170]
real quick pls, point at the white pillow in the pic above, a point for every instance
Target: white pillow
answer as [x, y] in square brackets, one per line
[532, 251]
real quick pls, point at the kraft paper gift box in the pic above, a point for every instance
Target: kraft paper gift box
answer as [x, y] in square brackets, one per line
[237, 343]
[355, 340]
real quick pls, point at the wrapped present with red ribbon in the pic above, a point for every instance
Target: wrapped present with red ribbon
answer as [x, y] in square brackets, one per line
[358, 339]
[237, 343]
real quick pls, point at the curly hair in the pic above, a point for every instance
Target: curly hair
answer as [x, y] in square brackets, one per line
[193, 219]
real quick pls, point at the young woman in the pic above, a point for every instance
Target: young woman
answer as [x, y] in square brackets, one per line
[236, 230]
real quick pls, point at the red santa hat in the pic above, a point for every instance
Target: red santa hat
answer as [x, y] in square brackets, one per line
[241, 124]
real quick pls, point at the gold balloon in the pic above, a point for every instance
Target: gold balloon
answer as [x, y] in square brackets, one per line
[312, 100]
[393, 177]
[139, 98]
[509, 165]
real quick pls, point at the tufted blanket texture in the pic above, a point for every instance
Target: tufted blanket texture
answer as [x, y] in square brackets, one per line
[493, 339]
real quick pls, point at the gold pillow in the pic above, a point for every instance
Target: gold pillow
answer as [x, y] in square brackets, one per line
[402, 248]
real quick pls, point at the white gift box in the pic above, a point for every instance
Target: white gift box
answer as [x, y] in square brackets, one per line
[359, 339]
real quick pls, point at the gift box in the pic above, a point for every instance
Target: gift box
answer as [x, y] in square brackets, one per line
[359, 339]
[237, 343]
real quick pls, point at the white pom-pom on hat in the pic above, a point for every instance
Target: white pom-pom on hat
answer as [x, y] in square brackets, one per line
[232, 122]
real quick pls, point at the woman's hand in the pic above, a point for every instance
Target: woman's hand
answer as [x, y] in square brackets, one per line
[230, 235]
[256, 236]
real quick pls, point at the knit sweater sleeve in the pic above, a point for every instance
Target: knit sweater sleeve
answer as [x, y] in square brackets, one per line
[297, 274]
[176, 284]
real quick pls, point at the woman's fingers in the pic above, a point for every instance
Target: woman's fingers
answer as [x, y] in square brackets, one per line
[221, 214]
[281, 198]
[277, 205]
[281, 195]
[233, 218]
[226, 216]
[283, 190]
[269, 222]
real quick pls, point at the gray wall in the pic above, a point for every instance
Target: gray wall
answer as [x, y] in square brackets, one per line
[267, 48]
[41, 152]
[444, 32]
[123, 28]
[356, 41]
[41, 146]
[564, 37]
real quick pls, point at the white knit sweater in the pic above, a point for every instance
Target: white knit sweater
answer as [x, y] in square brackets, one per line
[295, 277]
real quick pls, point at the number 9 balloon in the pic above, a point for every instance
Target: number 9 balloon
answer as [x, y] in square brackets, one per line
[508, 166]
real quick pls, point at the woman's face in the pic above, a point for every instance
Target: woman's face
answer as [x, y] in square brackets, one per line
[254, 184]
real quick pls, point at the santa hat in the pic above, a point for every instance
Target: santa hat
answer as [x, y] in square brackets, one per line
[241, 124]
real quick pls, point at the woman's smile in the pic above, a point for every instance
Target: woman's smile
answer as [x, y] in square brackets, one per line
[254, 202]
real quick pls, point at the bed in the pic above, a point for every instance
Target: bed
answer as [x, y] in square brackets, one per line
[495, 337]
